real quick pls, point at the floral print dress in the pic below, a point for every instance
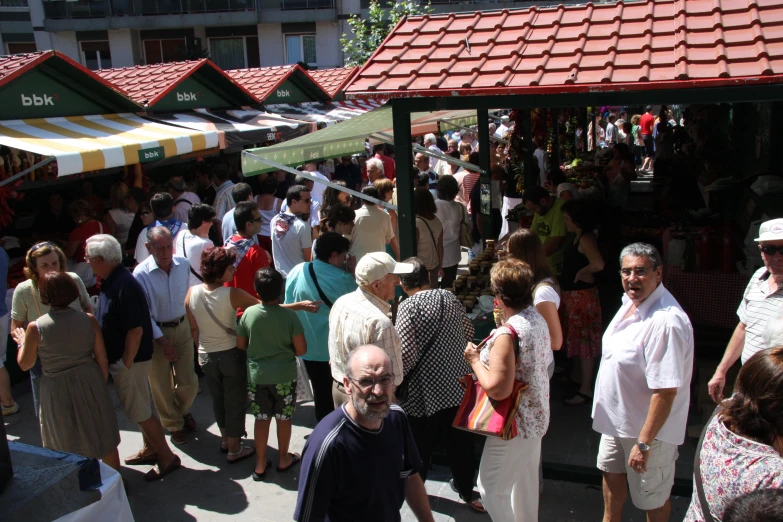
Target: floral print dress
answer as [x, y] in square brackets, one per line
[532, 361]
[732, 466]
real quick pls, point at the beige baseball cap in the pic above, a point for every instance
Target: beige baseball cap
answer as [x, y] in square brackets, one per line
[375, 265]
[771, 230]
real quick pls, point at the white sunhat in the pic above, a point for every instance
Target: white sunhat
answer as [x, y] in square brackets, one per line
[771, 230]
[376, 265]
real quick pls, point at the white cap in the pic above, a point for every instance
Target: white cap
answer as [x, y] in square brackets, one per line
[771, 230]
[504, 118]
[375, 265]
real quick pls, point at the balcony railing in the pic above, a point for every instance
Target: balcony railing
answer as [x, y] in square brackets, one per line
[13, 3]
[306, 4]
[104, 8]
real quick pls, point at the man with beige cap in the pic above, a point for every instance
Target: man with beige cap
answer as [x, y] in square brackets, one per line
[761, 303]
[362, 317]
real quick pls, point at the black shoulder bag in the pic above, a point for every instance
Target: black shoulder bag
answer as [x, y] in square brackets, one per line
[402, 390]
[321, 293]
[705, 506]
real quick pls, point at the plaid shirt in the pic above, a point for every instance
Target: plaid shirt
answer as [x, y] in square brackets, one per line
[357, 319]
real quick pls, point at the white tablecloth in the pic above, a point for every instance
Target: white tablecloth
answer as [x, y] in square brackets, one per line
[113, 504]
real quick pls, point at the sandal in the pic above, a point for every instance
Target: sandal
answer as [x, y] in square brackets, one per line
[578, 400]
[258, 477]
[295, 458]
[139, 458]
[243, 453]
[157, 472]
[476, 505]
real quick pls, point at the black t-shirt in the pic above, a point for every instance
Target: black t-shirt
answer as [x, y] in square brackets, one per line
[47, 223]
[122, 306]
[352, 474]
[350, 174]
[475, 210]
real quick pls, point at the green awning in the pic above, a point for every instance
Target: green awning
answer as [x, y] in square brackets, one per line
[345, 138]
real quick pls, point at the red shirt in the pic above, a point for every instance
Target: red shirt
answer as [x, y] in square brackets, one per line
[82, 233]
[646, 123]
[255, 258]
[388, 166]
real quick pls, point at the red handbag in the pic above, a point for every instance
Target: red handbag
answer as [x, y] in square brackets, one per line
[481, 414]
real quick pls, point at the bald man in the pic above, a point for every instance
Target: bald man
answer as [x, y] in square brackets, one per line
[361, 462]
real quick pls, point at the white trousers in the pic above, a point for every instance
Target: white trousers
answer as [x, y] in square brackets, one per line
[508, 479]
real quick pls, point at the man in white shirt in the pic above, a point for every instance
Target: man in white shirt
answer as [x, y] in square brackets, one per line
[361, 317]
[314, 213]
[317, 192]
[761, 304]
[165, 279]
[611, 130]
[503, 127]
[239, 193]
[162, 206]
[430, 142]
[191, 242]
[292, 238]
[541, 158]
[372, 229]
[183, 199]
[223, 200]
[643, 389]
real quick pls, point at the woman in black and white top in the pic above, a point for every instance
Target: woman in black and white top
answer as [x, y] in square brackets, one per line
[434, 328]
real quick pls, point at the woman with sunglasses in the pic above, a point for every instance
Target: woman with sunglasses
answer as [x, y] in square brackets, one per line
[143, 219]
[41, 259]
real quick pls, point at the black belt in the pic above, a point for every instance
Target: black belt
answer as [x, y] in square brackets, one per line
[171, 324]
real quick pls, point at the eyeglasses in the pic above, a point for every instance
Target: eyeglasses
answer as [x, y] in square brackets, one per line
[145, 213]
[367, 384]
[258, 220]
[308, 200]
[39, 246]
[771, 250]
[625, 273]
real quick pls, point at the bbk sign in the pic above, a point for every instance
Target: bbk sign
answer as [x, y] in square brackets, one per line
[34, 100]
[187, 96]
[283, 93]
[151, 154]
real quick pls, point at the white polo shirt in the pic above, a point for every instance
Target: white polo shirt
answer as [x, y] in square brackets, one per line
[758, 308]
[651, 350]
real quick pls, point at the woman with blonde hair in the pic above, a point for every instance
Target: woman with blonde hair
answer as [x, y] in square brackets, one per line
[385, 188]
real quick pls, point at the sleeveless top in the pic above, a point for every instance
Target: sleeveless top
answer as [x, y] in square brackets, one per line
[573, 262]
[211, 336]
[67, 340]
[427, 247]
[123, 220]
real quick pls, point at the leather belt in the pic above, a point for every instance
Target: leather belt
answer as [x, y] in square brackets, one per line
[171, 324]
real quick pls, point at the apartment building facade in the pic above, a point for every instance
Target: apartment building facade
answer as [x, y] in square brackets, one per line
[235, 34]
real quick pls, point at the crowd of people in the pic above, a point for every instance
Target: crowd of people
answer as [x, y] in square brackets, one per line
[276, 284]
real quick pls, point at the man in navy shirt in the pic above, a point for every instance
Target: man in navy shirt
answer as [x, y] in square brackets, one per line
[360, 462]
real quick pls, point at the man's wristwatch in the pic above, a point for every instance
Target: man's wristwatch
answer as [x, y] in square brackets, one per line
[642, 446]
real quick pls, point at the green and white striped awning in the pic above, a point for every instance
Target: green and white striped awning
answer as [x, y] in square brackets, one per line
[348, 137]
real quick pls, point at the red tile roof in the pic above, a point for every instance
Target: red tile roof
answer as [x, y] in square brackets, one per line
[262, 81]
[333, 81]
[578, 48]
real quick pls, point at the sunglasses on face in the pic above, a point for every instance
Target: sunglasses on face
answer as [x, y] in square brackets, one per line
[771, 250]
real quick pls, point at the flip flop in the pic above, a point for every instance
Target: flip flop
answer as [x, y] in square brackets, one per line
[476, 505]
[295, 458]
[586, 399]
[156, 473]
[138, 459]
[258, 477]
[241, 454]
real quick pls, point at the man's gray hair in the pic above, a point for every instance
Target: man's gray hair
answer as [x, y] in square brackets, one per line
[773, 334]
[375, 162]
[106, 247]
[642, 249]
[159, 231]
[430, 138]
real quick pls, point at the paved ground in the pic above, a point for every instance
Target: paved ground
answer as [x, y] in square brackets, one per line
[208, 489]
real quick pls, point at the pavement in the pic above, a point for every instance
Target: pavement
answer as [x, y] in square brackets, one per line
[207, 489]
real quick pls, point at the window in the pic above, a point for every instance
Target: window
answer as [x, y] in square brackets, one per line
[300, 48]
[21, 47]
[96, 55]
[235, 53]
[163, 51]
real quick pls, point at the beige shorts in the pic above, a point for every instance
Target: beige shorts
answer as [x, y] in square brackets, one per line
[651, 489]
[133, 389]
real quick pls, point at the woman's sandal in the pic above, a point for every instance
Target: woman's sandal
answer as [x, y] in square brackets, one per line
[295, 458]
[578, 400]
[476, 505]
[243, 453]
[258, 477]
[157, 472]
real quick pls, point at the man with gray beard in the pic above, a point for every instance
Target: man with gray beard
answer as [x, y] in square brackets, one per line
[361, 462]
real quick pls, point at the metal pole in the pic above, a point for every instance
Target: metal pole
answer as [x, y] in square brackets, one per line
[27, 171]
[485, 180]
[406, 219]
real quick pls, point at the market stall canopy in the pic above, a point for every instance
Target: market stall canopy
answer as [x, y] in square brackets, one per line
[174, 86]
[346, 138]
[48, 84]
[329, 112]
[284, 84]
[623, 46]
[88, 143]
[333, 81]
[239, 127]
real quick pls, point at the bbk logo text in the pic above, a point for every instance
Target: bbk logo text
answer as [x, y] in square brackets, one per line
[283, 93]
[187, 96]
[38, 101]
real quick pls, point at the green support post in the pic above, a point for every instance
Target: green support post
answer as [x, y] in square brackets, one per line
[406, 217]
[484, 162]
[554, 162]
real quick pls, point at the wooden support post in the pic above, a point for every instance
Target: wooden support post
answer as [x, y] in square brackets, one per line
[406, 217]
[485, 180]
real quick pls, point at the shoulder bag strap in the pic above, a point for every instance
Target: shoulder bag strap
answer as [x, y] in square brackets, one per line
[36, 297]
[321, 293]
[705, 506]
[185, 255]
[183, 200]
[435, 243]
[229, 331]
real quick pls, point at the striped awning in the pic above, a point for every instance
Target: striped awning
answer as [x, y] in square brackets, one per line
[89, 143]
[331, 112]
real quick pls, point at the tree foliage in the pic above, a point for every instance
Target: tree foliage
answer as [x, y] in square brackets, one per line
[370, 32]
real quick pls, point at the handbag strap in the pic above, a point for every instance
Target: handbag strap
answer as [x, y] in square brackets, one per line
[206, 307]
[185, 255]
[434, 243]
[705, 506]
[321, 293]
[36, 298]
[432, 339]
